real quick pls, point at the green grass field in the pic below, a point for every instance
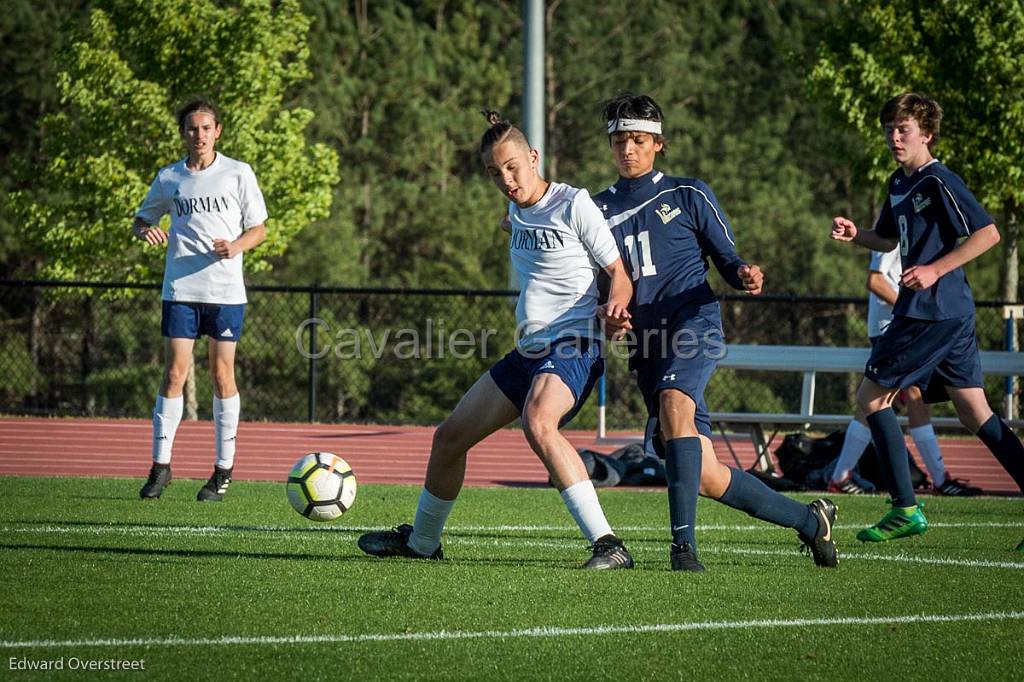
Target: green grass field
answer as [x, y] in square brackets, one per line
[248, 589]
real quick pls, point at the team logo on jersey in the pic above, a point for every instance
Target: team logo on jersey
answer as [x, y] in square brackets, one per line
[667, 213]
[920, 203]
[536, 240]
[190, 205]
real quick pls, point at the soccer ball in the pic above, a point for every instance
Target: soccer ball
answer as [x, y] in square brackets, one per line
[321, 486]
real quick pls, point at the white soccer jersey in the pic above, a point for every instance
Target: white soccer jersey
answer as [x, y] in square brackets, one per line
[218, 202]
[880, 312]
[557, 245]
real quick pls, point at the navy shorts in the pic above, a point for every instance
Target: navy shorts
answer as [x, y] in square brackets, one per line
[929, 354]
[685, 364]
[577, 362]
[192, 320]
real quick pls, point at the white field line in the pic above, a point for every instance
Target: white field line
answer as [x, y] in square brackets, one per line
[352, 533]
[128, 529]
[539, 632]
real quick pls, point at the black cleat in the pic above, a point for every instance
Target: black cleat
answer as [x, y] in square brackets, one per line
[954, 487]
[385, 543]
[821, 546]
[684, 558]
[159, 478]
[609, 553]
[216, 487]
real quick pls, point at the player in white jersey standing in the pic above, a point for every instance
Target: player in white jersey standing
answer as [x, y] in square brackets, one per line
[559, 240]
[217, 213]
[884, 287]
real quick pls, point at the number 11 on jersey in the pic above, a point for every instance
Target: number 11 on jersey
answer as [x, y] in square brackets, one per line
[640, 255]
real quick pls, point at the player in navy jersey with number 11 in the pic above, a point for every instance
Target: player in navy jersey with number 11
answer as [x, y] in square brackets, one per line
[666, 229]
[931, 341]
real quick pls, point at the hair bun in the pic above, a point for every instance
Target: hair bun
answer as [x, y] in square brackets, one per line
[493, 117]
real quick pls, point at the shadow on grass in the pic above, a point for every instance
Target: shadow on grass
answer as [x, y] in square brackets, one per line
[140, 552]
[178, 528]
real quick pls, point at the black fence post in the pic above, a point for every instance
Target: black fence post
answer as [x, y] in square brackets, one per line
[314, 306]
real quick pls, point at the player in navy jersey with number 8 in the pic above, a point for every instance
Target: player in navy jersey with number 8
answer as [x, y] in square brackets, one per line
[666, 229]
[931, 341]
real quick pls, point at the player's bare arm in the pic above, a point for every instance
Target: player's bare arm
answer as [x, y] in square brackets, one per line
[880, 288]
[752, 278]
[151, 234]
[250, 239]
[924, 276]
[844, 230]
[614, 313]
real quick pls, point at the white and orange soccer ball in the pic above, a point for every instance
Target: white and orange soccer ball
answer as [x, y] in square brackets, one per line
[321, 486]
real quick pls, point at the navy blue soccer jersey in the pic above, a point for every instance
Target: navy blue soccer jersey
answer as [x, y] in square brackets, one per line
[666, 228]
[929, 212]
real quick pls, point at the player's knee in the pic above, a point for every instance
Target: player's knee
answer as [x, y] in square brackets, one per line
[714, 479]
[174, 378]
[870, 401]
[445, 444]
[538, 426]
[677, 412]
[971, 416]
[223, 381]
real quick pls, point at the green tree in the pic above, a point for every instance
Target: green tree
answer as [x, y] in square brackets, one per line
[730, 79]
[968, 55]
[119, 81]
[397, 88]
[31, 31]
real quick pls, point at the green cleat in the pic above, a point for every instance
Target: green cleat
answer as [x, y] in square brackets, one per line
[894, 525]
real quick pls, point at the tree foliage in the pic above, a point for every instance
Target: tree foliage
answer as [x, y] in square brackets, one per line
[966, 54]
[397, 88]
[119, 81]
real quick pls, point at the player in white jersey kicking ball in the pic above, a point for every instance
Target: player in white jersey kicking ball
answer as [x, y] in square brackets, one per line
[217, 214]
[558, 242]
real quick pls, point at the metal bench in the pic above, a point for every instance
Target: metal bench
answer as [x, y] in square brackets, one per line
[809, 361]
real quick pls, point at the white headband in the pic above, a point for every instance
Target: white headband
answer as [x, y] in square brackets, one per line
[634, 125]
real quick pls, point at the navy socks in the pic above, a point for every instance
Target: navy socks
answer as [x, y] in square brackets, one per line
[892, 451]
[998, 438]
[682, 467]
[749, 494]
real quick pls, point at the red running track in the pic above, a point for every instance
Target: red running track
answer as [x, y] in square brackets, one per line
[379, 454]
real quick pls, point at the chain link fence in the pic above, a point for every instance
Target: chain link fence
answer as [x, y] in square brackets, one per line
[373, 355]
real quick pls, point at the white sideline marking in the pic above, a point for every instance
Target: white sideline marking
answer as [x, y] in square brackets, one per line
[899, 558]
[516, 633]
[213, 530]
[352, 533]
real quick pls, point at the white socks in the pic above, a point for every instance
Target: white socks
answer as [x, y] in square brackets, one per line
[431, 515]
[581, 499]
[225, 429]
[166, 417]
[928, 447]
[857, 438]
